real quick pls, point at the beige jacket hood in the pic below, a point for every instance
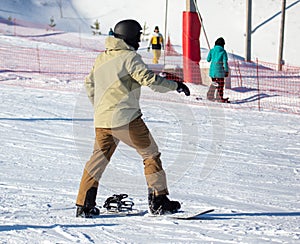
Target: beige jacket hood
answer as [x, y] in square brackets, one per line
[114, 84]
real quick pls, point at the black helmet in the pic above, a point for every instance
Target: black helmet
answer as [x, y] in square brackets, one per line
[130, 31]
[220, 42]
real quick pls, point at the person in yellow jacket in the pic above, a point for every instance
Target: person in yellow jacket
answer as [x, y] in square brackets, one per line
[113, 87]
[156, 43]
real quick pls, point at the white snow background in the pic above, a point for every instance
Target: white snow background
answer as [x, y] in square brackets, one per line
[241, 162]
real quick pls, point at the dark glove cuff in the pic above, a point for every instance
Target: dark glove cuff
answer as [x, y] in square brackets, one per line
[182, 88]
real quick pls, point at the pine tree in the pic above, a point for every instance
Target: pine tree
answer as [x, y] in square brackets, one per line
[145, 33]
[96, 27]
[51, 24]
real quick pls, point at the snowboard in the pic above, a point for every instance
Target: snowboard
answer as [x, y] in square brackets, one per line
[189, 215]
[184, 215]
[133, 212]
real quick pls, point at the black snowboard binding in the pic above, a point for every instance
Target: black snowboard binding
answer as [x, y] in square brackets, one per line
[116, 203]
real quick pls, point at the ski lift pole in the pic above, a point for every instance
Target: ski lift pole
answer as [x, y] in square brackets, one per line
[191, 27]
[201, 22]
[166, 20]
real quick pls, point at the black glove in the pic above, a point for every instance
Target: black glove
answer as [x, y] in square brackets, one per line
[183, 88]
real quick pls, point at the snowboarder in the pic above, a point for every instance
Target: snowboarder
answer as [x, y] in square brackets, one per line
[113, 86]
[157, 43]
[218, 70]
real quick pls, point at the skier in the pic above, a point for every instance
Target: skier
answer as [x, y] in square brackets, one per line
[157, 43]
[218, 70]
[113, 86]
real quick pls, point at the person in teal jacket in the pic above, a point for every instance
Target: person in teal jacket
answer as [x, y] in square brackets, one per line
[218, 71]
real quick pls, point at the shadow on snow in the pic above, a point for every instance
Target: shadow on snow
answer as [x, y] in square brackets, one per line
[240, 215]
[252, 98]
[25, 227]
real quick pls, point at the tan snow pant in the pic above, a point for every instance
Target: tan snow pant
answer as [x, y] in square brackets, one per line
[136, 135]
[156, 55]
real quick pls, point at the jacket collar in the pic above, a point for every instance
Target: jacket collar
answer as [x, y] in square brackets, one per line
[112, 43]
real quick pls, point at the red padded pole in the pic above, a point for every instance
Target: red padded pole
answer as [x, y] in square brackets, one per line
[191, 47]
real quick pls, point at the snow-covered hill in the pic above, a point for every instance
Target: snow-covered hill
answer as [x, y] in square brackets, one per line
[221, 18]
[40, 11]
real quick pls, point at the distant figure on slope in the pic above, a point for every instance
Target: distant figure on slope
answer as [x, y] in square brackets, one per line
[114, 87]
[111, 32]
[218, 71]
[157, 43]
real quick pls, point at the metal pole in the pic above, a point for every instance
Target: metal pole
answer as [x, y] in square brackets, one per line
[166, 20]
[190, 5]
[248, 30]
[281, 39]
[201, 22]
[258, 89]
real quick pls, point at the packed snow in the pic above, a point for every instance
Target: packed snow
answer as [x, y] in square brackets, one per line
[241, 162]
[244, 164]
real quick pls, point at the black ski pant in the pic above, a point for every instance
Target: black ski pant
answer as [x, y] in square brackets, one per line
[211, 94]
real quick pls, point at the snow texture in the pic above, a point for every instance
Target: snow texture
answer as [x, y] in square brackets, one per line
[240, 162]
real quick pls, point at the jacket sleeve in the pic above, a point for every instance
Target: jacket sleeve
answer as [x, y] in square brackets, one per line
[150, 42]
[139, 71]
[90, 86]
[208, 59]
[225, 61]
[162, 42]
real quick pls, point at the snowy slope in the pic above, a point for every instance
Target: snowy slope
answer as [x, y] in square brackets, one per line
[241, 162]
[221, 18]
[245, 165]
[40, 12]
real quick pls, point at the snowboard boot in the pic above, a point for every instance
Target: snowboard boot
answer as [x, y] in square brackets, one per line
[85, 212]
[161, 204]
[223, 100]
[88, 210]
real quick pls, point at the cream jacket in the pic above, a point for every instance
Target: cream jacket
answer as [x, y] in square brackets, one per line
[114, 84]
